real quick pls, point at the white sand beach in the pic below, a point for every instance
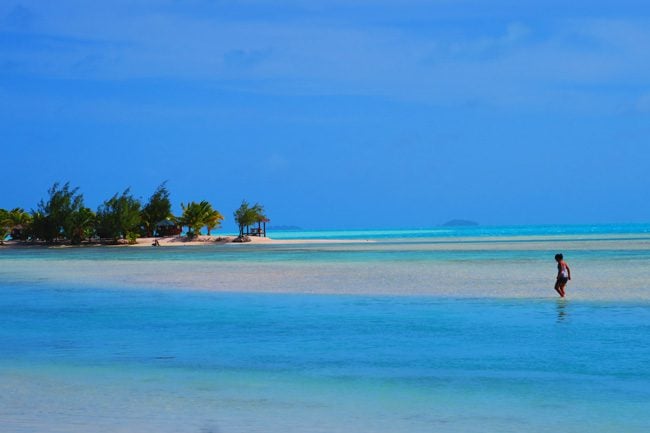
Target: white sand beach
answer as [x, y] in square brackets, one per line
[179, 241]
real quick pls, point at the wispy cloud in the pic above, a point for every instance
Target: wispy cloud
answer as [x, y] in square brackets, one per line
[511, 63]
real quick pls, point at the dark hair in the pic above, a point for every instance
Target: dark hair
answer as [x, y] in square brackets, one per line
[559, 257]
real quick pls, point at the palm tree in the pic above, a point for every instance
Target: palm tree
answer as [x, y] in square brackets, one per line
[5, 224]
[18, 222]
[260, 217]
[242, 217]
[193, 217]
[213, 219]
[18, 216]
[196, 215]
[82, 225]
[246, 216]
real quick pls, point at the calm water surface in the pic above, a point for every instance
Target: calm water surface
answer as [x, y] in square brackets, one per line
[95, 340]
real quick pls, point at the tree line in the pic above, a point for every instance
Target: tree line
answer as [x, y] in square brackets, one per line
[64, 217]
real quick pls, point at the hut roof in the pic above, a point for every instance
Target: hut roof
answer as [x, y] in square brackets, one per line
[166, 223]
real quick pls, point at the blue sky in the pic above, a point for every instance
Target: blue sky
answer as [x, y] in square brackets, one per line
[334, 113]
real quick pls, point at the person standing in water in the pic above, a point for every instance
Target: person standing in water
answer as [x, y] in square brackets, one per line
[563, 274]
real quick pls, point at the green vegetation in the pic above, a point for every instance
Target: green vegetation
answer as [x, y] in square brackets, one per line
[158, 208]
[16, 223]
[119, 217]
[213, 219]
[55, 218]
[5, 225]
[192, 217]
[196, 215]
[63, 218]
[83, 225]
[246, 216]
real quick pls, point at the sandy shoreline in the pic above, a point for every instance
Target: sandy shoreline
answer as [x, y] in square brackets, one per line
[176, 241]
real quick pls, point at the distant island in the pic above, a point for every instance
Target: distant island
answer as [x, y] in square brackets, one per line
[460, 223]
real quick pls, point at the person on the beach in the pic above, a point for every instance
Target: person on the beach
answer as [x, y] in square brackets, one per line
[563, 274]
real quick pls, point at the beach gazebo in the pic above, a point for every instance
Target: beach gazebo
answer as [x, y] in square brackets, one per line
[260, 230]
[167, 227]
[17, 231]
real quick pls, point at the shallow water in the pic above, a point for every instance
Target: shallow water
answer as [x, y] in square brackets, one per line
[610, 267]
[207, 339]
[79, 360]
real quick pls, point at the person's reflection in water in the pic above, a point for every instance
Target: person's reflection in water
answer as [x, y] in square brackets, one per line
[561, 310]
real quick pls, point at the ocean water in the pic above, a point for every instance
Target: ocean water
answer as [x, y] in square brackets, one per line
[466, 231]
[421, 334]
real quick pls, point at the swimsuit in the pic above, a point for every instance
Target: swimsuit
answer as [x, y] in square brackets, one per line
[564, 273]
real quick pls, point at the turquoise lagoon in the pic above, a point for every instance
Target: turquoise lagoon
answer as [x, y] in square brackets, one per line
[409, 333]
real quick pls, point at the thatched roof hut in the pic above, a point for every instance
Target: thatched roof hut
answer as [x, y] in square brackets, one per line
[168, 227]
